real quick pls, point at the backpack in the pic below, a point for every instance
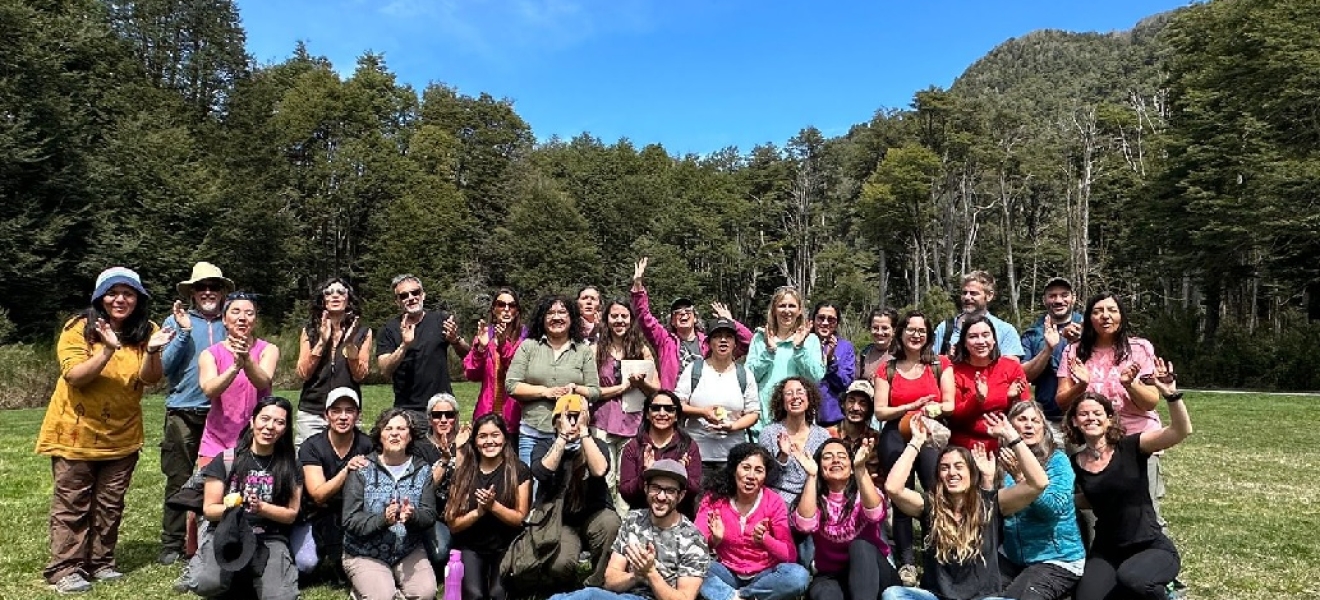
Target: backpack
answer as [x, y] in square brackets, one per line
[525, 567]
[695, 376]
[190, 495]
[946, 342]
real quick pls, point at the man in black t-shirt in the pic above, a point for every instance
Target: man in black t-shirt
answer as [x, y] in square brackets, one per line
[413, 348]
[327, 458]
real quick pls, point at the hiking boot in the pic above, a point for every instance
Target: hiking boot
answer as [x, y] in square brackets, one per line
[907, 574]
[169, 556]
[1176, 590]
[107, 574]
[72, 583]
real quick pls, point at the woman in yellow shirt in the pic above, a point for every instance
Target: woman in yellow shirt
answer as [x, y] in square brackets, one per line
[92, 431]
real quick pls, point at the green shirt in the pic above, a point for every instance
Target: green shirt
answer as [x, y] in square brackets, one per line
[535, 363]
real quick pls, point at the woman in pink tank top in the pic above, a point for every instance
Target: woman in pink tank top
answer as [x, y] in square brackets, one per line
[234, 374]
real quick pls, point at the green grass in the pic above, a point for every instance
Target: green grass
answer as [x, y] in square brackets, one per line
[1241, 502]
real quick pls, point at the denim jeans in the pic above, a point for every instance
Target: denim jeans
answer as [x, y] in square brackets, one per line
[899, 592]
[595, 593]
[527, 438]
[782, 582]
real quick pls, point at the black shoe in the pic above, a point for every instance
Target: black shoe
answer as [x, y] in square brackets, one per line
[169, 557]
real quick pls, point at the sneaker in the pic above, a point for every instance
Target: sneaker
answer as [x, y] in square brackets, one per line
[908, 575]
[184, 583]
[71, 584]
[1176, 590]
[107, 574]
[169, 556]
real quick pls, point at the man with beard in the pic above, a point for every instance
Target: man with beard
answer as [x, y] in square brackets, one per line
[1044, 342]
[199, 327]
[413, 348]
[978, 289]
[659, 554]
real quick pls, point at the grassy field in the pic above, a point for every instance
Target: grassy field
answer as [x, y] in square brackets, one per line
[1242, 502]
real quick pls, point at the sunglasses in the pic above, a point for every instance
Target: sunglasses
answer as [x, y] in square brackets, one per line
[501, 305]
[204, 286]
[444, 414]
[669, 408]
[684, 312]
[406, 294]
[335, 290]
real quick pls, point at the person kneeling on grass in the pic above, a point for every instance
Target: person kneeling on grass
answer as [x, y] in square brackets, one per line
[659, 554]
[964, 511]
[747, 527]
[389, 508]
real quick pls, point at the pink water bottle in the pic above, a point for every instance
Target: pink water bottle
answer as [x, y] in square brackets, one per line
[454, 576]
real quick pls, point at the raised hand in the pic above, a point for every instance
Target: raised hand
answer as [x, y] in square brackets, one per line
[919, 431]
[985, 461]
[451, 329]
[716, 526]
[786, 445]
[801, 334]
[1129, 373]
[982, 386]
[239, 348]
[648, 456]
[1079, 372]
[107, 334]
[721, 310]
[864, 451]
[1008, 460]
[159, 339]
[326, 328]
[809, 465]
[464, 434]
[997, 425]
[1015, 389]
[181, 316]
[1072, 332]
[483, 334]
[1052, 335]
[640, 559]
[347, 334]
[1165, 380]
[639, 269]
[407, 331]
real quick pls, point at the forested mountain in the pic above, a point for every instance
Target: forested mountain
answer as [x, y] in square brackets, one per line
[1174, 163]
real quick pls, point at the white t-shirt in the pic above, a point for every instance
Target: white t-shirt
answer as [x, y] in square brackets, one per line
[717, 389]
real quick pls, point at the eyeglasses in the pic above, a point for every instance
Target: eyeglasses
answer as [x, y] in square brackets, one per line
[911, 331]
[502, 305]
[669, 408]
[405, 294]
[826, 319]
[335, 290]
[444, 414]
[683, 312]
[660, 490]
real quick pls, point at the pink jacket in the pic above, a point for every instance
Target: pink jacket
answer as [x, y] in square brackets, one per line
[666, 342]
[738, 551]
[489, 368]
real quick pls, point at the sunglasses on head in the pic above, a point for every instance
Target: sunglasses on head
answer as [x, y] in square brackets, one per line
[669, 408]
[406, 294]
[334, 290]
[240, 296]
[444, 414]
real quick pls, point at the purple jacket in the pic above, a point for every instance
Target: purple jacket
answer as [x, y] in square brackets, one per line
[839, 373]
[666, 342]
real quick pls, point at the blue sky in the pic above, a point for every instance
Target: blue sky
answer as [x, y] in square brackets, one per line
[694, 75]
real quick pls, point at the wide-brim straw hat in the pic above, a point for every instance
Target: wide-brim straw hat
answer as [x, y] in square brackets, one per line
[201, 272]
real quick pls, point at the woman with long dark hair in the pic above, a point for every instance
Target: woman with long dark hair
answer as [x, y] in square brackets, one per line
[747, 530]
[1098, 361]
[616, 422]
[961, 549]
[92, 432]
[389, 510]
[1130, 557]
[840, 360]
[492, 350]
[553, 361]
[265, 481]
[490, 496]
[659, 437]
[984, 383]
[333, 352]
[843, 511]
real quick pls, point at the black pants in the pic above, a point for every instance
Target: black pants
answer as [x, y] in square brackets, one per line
[867, 574]
[1040, 581]
[1135, 572]
[892, 445]
[481, 576]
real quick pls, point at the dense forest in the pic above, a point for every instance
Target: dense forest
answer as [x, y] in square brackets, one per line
[1177, 163]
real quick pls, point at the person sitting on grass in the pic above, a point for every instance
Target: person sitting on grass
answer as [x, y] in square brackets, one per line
[747, 528]
[440, 450]
[389, 509]
[328, 459]
[659, 437]
[658, 554]
[964, 511]
[490, 496]
[572, 467]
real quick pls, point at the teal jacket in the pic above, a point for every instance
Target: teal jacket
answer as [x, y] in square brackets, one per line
[1046, 530]
[770, 368]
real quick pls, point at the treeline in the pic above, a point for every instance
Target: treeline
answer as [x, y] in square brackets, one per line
[1175, 163]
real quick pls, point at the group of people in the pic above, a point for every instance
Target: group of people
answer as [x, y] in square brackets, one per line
[677, 458]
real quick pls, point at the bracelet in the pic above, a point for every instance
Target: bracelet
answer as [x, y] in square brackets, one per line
[914, 446]
[156, 351]
[1014, 442]
[1174, 397]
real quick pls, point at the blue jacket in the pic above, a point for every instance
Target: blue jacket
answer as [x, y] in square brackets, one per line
[1046, 387]
[1047, 528]
[180, 360]
[834, 385]
[368, 491]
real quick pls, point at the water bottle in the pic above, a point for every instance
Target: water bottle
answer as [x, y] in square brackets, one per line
[454, 576]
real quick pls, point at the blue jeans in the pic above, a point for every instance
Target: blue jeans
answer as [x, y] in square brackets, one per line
[899, 592]
[527, 439]
[782, 582]
[595, 593]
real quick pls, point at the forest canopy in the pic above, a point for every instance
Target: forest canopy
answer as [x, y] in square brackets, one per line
[1177, 164]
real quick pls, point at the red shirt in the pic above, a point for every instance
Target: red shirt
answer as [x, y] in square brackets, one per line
[966, 427]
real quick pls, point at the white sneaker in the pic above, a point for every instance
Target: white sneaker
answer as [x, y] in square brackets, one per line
[72, 583]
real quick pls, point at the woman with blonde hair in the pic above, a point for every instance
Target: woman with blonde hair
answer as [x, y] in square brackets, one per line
[964, 511]
[785, 347]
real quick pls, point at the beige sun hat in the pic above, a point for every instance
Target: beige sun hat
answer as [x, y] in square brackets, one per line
[201, 272]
